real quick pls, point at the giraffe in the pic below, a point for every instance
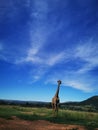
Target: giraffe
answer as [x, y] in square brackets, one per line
[55, 99]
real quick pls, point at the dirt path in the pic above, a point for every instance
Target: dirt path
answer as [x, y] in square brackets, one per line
[18, 124]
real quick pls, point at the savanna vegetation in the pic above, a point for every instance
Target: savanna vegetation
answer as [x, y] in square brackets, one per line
[88, 119]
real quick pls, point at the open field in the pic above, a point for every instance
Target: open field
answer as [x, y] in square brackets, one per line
[28, 118]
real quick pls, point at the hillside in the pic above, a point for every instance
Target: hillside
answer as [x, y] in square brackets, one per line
[90, 104]
[91, 101]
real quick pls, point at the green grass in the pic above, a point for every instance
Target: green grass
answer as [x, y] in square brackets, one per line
[88, 119]
[8, 111]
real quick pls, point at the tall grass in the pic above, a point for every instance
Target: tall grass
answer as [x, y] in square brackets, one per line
[88, 119]
[64, 116]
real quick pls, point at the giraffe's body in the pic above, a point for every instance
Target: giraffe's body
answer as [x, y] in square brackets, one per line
[55, 99]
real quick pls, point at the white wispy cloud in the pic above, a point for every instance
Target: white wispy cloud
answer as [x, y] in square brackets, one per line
[78, 85]
[37, 57]
[55, 58]
[39, 34]
[80, 78]
[73, 80]
[87, 52]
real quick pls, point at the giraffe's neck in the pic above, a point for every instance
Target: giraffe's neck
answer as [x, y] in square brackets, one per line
[57, 92]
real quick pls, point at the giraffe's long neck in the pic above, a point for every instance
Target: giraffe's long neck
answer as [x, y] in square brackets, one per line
[57, 92]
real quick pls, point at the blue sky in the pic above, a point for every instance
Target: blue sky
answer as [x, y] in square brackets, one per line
[42, 41]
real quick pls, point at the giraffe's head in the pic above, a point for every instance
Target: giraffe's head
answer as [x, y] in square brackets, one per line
[59, 82]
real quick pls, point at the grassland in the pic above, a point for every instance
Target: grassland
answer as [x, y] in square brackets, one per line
[88, 119]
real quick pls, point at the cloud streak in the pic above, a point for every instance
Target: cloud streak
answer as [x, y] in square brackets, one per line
[78, 85]
[73, 80]
[79, 78]
[88, 53]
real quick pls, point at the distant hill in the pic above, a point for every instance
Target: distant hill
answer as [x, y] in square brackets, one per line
[90, 101]
[90, 104]
[25, 103]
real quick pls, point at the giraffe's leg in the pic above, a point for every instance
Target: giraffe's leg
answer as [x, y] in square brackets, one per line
[54, 109]
[53, 106]
[57, 107]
